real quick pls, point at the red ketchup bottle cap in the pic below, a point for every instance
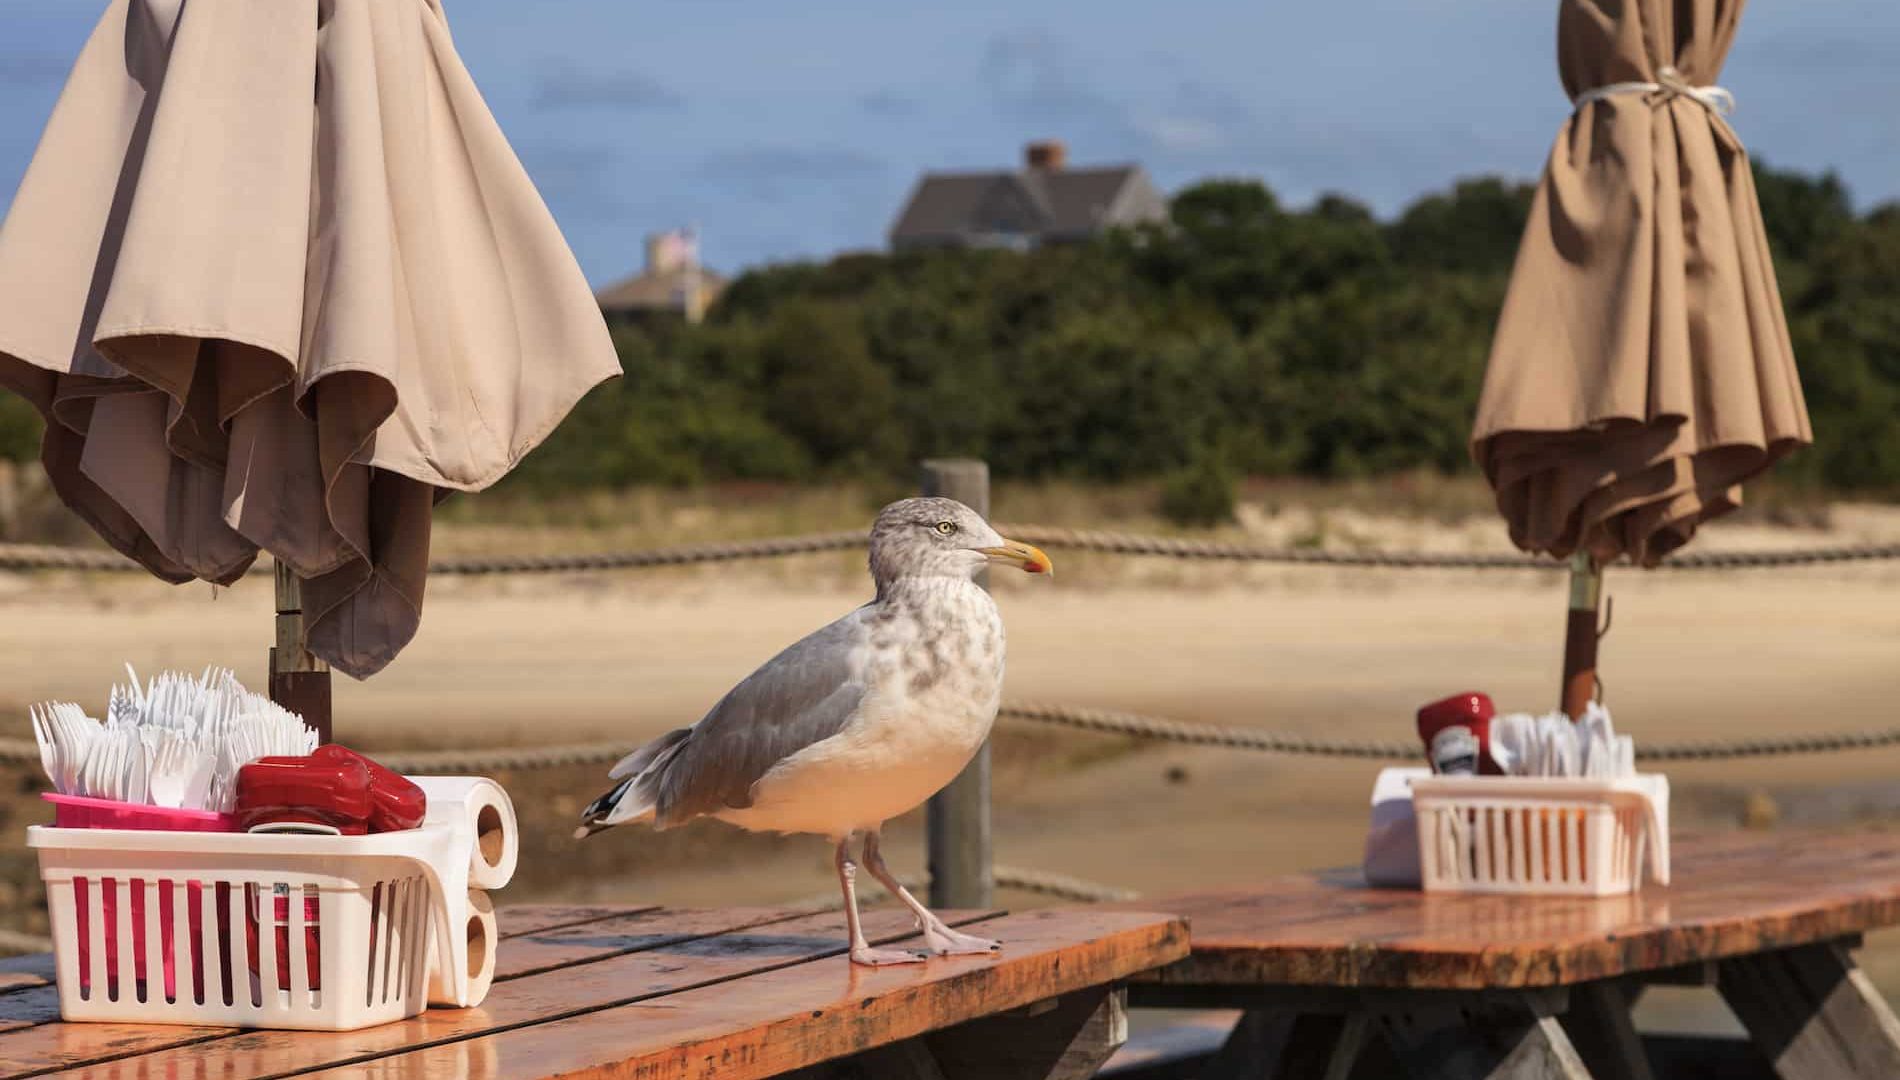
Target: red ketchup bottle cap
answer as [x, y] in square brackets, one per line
[1457, 734]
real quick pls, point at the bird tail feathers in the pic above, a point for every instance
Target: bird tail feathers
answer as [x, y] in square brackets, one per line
[636, 797]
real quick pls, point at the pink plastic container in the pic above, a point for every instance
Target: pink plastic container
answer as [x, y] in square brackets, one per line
[78, 812]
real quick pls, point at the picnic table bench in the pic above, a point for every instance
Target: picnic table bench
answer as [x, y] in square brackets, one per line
[658, 994]
[1340, 980]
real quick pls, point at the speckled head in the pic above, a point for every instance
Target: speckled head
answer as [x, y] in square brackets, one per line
[942, 538]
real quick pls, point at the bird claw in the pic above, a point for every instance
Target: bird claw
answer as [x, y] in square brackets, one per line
[870, 957]
[947, 942]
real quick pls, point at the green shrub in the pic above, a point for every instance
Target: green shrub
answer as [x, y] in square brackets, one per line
[1312, 341]
[1201, 495]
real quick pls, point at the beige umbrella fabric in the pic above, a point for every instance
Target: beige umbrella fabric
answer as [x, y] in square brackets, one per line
[1641, 369]
[276, 280]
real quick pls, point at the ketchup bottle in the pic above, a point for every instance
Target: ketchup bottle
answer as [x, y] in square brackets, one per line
[1457, 734]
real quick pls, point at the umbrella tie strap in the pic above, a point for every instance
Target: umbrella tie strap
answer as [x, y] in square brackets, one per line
[1670, 83]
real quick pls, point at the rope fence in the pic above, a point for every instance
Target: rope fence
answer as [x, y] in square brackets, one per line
[28, 557]
[1037, 882]
[1106, 722]
[23, 557]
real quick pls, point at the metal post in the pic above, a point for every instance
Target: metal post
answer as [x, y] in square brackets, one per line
[298, 681]
[957, 821]
[1580, 635]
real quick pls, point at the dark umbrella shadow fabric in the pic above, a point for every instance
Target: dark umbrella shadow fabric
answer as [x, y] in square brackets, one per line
[276, 281]
[1641, 370]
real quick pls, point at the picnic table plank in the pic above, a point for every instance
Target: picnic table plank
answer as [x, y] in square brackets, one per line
[703, 950]
[17, 972]
[546, 950]
[66, 1046]
[28, 1006]
[44, 1048]
[808, 1013]
[516, 919]
[1732, 896]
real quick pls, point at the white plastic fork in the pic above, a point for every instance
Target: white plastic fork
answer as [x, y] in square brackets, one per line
[170, 770]
[49, 750]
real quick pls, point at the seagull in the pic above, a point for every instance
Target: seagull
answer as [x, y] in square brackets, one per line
[857, 723]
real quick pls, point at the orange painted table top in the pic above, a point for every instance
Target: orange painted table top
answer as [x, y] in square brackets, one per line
[594, 991]
[1732, 894]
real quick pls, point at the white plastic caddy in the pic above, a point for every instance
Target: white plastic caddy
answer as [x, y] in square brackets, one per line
[1549, 835]
[215, 928]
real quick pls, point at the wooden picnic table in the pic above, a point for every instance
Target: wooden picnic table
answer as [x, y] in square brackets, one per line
[657, 994]
[1463, 985]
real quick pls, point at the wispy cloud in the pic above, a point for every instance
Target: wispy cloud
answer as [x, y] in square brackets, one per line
[1182, 125]
[790, 162]
[1036, 80]
[596, 90]
[772, 172]
[1032, 76]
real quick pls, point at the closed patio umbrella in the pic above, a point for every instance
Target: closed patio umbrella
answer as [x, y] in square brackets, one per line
[277, 282]
[1641, 368]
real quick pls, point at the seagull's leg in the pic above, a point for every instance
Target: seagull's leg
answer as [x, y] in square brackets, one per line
[861, 950]
[941, 939]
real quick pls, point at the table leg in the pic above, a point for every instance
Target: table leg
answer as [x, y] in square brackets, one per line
[1599, 1024]
[1813, 1012]
[1066, 1038]
[907, 1060]
[1510, 1038]
[1278, 1044]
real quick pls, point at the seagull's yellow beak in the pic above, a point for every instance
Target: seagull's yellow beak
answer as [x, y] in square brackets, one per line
[1026, 557]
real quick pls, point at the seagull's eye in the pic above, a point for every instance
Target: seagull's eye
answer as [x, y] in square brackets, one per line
[946, 527]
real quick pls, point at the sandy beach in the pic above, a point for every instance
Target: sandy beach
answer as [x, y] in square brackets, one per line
[534, 661]
[622, 656]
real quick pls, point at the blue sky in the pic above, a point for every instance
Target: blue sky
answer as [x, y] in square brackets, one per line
[794, 130]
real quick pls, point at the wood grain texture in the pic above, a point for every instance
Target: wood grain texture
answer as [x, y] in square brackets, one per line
[1733, 894]
[1813, 1013]
[46, 1048]
[615, 932]
[808, 1013]
[1500, 1040]
[527, 954]
[1600, 1026]
[22, 971]
[513, 920]
[1067, 1040]
[683, 950]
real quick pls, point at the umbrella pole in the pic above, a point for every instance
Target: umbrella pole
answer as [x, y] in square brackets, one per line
[298, 681]
[1580, 635]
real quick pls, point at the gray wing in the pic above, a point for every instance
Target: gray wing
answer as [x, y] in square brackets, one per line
[801, 696]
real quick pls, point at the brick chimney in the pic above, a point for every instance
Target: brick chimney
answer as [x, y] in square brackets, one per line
[1046, 155]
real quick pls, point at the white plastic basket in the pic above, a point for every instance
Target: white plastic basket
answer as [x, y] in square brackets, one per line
[205, 928]
[1552, 835]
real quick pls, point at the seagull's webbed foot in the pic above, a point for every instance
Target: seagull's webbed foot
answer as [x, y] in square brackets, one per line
[873, 957]
[943, 941]
[938, 936]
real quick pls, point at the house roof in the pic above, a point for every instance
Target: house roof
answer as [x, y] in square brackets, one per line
[1055, 202]
[650, 290]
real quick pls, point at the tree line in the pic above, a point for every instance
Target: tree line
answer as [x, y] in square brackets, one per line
[1246, 337]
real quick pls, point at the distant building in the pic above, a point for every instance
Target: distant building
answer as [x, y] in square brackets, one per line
[1044, 202]
[672, 283]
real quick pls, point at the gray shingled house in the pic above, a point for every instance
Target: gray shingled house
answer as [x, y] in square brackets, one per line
[1045, 202]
